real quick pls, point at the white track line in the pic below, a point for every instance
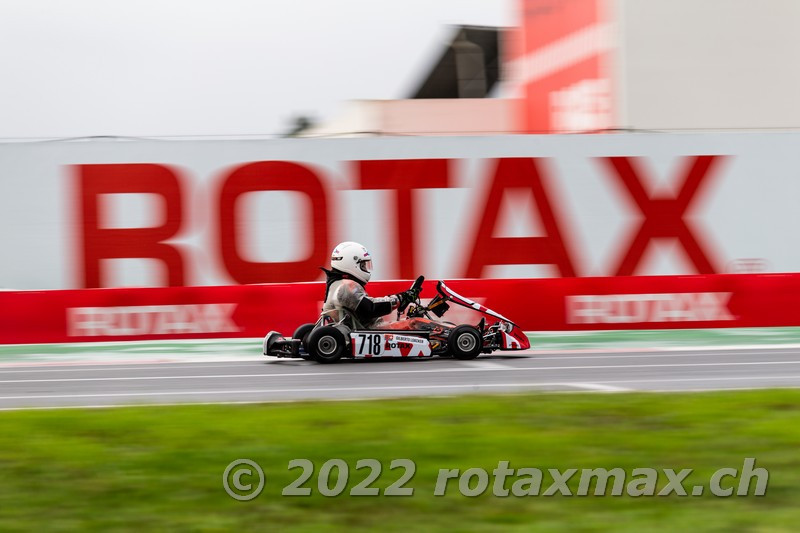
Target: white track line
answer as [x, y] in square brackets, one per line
[111, 362]
[486, 365]
[659, 349]
[274, 391]
[111, 367]
[421, 371]
[171, 358]
[598, 387]
[100, 366]
[362, 398]
[691, 380]
[642, 355]
[474, 387]
[789, 346]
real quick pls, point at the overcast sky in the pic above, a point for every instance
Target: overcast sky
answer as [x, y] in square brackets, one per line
[200, 67]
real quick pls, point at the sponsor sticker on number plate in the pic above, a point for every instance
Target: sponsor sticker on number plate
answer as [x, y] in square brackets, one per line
[368, 344]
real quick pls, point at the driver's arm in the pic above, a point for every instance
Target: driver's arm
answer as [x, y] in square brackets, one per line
[352, 296]
[370, 308]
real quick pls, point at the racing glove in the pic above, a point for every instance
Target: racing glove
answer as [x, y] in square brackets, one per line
[406, 297]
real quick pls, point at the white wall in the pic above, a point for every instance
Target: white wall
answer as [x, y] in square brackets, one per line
[746, 208]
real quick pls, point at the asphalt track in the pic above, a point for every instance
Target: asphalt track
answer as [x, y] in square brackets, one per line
[260, 379]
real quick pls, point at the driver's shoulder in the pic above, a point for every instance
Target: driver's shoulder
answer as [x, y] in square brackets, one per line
[349, 288]
[352, 286]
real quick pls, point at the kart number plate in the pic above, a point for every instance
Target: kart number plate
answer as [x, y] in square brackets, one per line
[389, 345]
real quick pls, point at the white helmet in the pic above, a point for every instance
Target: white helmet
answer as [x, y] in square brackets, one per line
[352, 258]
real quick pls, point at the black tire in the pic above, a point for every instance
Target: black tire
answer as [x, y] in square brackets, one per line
[465, 342]
[326, 344]
[302, 334]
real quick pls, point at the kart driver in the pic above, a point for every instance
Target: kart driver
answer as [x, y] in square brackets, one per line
[351, 268]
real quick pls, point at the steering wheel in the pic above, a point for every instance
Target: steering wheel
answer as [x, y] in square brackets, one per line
[416, 287]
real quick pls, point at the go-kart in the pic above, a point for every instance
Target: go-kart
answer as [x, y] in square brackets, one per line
[329, 340]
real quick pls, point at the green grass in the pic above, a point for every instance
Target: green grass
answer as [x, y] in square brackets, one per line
[160, 468]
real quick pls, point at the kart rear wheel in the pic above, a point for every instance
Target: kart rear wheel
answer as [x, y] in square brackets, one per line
[302, 334]
[326, 344]
[465, 342]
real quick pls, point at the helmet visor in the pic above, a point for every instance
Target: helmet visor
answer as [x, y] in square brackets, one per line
[365, 265]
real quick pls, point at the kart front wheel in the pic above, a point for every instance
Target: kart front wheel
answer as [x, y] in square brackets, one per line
[326, 344]
[464, 342]
[302, 334]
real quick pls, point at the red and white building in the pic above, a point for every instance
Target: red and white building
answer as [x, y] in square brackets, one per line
[599, 65]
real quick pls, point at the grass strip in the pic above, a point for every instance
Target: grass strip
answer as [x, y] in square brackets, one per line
[160, 468]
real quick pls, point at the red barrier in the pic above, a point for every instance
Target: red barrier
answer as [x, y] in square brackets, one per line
[641, 302]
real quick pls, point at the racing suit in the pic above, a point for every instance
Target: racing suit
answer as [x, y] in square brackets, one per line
[345, 293]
